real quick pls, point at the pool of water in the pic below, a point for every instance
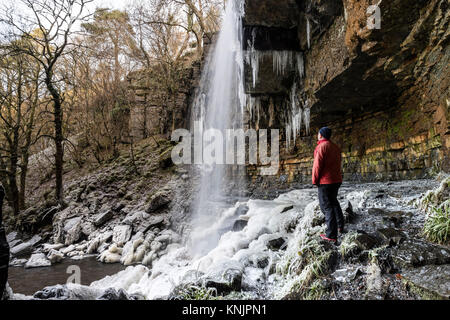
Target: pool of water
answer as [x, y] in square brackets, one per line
[28, 281]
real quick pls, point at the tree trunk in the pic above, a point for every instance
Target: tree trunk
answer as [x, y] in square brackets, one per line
[58, 138]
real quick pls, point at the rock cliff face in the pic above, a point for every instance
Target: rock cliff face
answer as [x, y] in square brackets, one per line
[384, 92]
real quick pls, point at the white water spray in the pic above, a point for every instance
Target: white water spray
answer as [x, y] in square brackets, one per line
[220, 105]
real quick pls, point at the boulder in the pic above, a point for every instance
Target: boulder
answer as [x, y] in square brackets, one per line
[72, 230]
[349, 213]
[55, 256]
[241, 210]
[432, 282]
[366, 242]
[287, 208]
[38, 260]
[239, 224]
[346, 275]
[276, 244]
[113, 294]
[12, 236]
[391, 236]
[231, 280]
[21, 250]
[35, 240]
[60, 292]
[121, 234]
[17, 262]
[102, 217]
[151, 221]
[159, 201]
[417, 252]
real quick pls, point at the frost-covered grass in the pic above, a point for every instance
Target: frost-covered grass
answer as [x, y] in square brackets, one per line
[194, 292]
[348, 244]
[437, 224]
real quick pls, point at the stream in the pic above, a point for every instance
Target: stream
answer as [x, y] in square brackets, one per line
[28, 281]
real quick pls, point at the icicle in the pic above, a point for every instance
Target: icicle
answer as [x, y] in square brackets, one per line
[300, 64]
[281, 60]
[306, 117]
[295, 117]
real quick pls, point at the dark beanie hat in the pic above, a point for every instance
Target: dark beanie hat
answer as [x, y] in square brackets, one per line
[325, 132]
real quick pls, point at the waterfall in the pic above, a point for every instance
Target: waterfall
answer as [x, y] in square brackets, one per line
[219, 105]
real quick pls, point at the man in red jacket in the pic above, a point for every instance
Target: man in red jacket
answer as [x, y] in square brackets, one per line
[327, 176]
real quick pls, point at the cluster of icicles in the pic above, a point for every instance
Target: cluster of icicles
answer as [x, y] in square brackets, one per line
[283, 61]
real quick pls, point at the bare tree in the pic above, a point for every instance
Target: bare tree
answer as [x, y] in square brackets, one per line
[55, 21]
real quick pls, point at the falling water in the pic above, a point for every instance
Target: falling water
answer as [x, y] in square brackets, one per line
[219, 105]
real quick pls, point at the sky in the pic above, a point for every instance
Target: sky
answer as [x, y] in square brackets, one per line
[114, 4]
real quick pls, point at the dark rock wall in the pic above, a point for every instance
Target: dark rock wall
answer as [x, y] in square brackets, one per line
[385, 93]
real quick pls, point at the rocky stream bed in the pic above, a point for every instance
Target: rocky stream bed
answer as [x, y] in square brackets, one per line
[266, 249]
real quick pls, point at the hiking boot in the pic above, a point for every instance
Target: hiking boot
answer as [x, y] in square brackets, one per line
[324, 237]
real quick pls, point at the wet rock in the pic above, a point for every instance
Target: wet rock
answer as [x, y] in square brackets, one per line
[346, 275]
[151, 221]
[231, 281]
[241, 210]
[55, 256]
[287, 208]
[113, 294]
[431, 281]
[366, 242]
[262, 262]
[21, 250]
[391, 236]
[12, 236]
[165, 160]
[35, 240]
[118, 207]
[17, 262]
[349, 213]
[159, 201]
[47, 247]
[417, 252]
[239, 224]
[121, 234]
[101, 218]
[38, 260]
[60, 292]
[276, 244]
[68, 249]
[72, 229]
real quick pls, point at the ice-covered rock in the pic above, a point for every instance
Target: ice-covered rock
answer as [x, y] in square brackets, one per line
[21, 250]
[95, 243]
[47, 247]
[72, 230]
[55, 256]
[121, 234]
[17, 262]
[102, 217]
[68, 249]
[38, 260]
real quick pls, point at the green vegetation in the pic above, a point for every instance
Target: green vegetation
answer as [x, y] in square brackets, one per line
[437, 224]
[348, 245]
[195, 292]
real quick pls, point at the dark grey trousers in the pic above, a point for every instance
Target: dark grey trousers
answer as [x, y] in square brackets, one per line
[331, 208]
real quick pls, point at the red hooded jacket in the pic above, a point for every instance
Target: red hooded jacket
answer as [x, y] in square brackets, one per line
[327, 163]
